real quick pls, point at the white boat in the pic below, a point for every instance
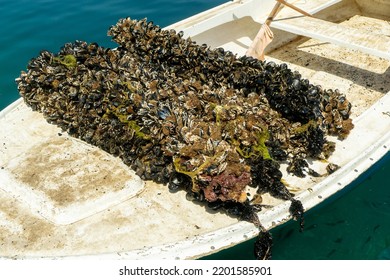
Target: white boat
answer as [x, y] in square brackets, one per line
[62, 198]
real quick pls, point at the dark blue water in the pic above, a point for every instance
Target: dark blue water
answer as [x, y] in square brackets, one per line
[354, 225]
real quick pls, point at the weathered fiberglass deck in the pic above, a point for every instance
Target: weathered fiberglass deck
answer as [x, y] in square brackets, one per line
[60, 197]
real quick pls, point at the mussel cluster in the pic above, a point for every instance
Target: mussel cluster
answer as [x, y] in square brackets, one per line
[188, 116]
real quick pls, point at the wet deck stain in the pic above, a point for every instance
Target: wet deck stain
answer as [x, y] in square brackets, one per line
[88, 175]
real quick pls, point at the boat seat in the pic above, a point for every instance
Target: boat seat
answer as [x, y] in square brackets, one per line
[352, 38]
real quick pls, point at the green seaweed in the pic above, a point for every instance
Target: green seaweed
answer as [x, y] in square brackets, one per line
[305, 127]
[69, 60]
[256, 150]
[130, 123]
[193, 174]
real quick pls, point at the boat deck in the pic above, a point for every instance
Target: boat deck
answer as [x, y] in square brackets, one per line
[362, 76]
[35, 222]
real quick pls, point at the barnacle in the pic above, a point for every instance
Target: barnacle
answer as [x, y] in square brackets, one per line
[189, 116]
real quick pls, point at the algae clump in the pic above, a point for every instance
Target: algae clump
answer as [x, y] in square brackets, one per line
[69, 60]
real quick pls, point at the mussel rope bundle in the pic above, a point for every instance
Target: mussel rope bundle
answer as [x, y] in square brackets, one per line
[188, 116]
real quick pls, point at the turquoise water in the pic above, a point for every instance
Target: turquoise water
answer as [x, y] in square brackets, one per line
[353, 225]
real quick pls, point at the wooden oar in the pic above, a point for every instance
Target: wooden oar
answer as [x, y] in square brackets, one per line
[294, 8]
[265, 36]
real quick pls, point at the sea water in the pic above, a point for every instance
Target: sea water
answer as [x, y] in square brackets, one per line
[351, 225]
